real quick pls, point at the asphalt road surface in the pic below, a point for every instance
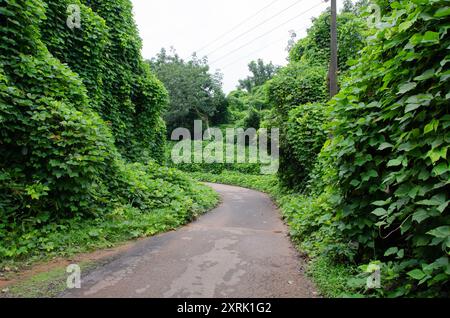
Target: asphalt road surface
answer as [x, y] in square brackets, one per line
[238, 250]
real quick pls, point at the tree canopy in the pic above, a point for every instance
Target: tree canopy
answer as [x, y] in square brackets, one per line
[194, 92]
[261, 73]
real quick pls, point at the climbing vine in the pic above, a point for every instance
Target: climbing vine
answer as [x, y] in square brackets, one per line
[391, 149]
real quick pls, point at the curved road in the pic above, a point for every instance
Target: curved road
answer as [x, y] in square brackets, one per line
[238, 250]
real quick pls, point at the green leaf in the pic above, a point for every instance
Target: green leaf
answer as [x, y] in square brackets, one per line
[411, 107]
[432, 126]
[430, 37]
[440, 169]
[440, 232]
[442, 12]
[443, 206]
[417, 274]
[385, 145]
[381, 203]
[436, 154]
[436, 200]
[426, 75]
[405, 25]
[380, 212]
[369, 174]
[420, 215]
[395, 162]
[445, 76]
[93, 233]
[391, 251]
[406, 87]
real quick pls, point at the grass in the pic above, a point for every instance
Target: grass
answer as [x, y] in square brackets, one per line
[69, 237]
[48, 284]
[330, 278]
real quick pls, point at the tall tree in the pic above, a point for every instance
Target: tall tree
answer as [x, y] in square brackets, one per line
[261, 73]
[194, 92]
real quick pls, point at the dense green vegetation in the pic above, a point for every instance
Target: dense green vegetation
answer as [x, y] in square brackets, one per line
[105, 53]
[364, 176]
[390, 150]
[304, 81]
[209, 163]
[77, 108]
[247, 105]
[369, 188]
[194, 92]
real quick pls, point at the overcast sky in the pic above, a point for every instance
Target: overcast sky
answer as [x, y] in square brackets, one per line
[199, 26]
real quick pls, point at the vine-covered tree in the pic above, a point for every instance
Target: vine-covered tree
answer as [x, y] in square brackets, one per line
[304, 81]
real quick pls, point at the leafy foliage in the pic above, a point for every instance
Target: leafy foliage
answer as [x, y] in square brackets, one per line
[41, 240]
[315, 48]
[105, 52]
[391, 149]
[305, 136]
[294, 85]
[208, 165]
[304, 81]
[261, 73]
[194, 92]
[297, 84]
[58, 157]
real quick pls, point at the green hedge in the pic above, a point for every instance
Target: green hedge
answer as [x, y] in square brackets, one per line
[304, 136]
[391, 149]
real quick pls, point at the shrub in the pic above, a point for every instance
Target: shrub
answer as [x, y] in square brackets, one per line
[304, 137]
[391, 149]
[297, 84]
[252, 120]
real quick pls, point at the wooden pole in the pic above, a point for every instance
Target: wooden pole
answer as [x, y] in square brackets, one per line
[334, 51]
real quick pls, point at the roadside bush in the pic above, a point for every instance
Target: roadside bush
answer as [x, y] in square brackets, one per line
[391, 150]
[252, 120]
[214, 167]
[305, 135]
[53, 146]
[297, 84]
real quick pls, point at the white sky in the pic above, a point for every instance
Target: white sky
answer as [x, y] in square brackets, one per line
[189, 25]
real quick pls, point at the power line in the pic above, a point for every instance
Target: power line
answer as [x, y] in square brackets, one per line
[259, 50]
[276, 28]
[253, 28]
[254, 52]
[237, 26]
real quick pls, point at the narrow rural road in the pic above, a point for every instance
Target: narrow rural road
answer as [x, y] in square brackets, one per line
[240, 249]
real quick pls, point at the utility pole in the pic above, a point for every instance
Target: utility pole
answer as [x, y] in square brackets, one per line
[334, 51]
